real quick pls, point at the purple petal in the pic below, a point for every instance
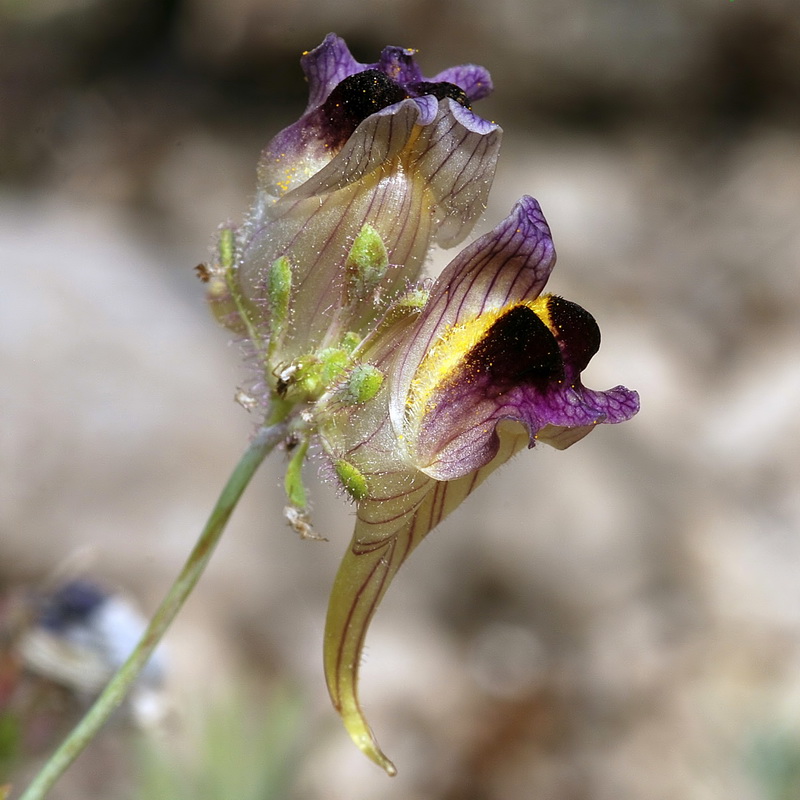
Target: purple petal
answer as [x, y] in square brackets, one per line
[507, 265]
[485, 349]
[398, 63]
[456, 157]
[618, 405]
[471, 121]
[458, 435]
[325, 66]
[302, 149]
[474, 80]
[379, 138]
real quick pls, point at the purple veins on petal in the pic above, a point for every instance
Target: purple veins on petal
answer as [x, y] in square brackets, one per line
[344, 92]
[325, 66]
[511, 263]
[474, 80]
[488, 347]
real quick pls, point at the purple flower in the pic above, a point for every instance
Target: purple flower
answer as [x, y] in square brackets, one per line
[381, 146]
[415, 393]
[489, 347]
[488, 366]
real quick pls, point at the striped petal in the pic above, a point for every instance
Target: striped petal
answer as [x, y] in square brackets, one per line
[331, 116]
[488, 347]
[511, 263]
[378, 145]
[402, 508]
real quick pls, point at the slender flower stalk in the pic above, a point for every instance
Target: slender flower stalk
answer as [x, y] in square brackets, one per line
[112, 696]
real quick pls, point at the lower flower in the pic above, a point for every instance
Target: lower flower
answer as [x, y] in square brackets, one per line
[486, 366]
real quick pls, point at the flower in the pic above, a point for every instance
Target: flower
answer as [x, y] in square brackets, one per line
[414, 392]
[380, 149]
[489, 366]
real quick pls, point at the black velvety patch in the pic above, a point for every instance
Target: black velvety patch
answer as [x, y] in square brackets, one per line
[517, 349]
[578, 332]
[354, 99]
[441, 90]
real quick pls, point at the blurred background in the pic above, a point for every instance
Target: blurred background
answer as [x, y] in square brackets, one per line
[620, 621]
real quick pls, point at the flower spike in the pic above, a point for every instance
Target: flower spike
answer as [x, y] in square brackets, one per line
[415, 392]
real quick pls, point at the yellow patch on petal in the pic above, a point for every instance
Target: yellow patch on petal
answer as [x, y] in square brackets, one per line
[541, 307]
[299, 170]
[447, 354]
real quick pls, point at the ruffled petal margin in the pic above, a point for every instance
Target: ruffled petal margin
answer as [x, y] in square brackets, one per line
[493, 350]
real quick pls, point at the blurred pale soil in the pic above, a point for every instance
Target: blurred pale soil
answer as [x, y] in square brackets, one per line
[621, 620]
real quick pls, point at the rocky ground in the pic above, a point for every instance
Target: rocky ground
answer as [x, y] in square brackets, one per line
[620, 621]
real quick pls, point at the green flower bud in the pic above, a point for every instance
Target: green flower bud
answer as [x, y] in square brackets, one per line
[217, 276]
[363, 384]
[366, 263]
[313, 375]
[279, 293]
[354, 483]
[333, 362]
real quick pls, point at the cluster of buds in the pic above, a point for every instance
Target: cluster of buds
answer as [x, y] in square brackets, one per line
[414, 391]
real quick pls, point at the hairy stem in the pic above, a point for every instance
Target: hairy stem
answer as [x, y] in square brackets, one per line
[112, 696]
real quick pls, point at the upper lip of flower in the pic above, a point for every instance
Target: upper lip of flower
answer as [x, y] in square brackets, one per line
[508, 265]
[344, 93]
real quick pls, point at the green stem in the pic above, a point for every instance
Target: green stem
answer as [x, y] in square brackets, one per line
[113, 695]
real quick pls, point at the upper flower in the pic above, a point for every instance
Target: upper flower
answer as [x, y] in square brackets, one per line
[344, 93]
[379, 147]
